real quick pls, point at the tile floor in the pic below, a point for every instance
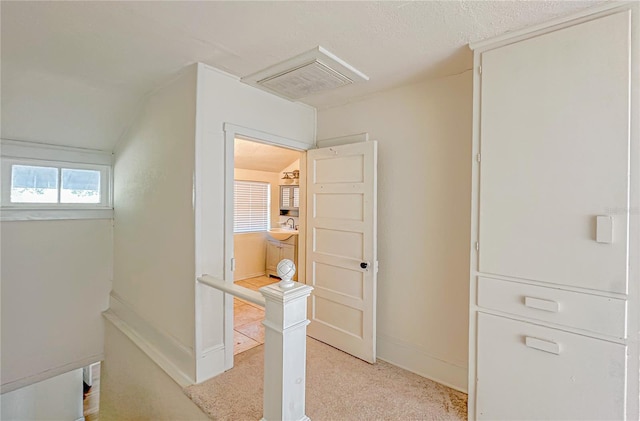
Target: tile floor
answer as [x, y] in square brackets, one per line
[248, 331]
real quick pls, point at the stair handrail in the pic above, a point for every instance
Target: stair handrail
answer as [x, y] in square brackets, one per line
[236, 290]
[285, 346]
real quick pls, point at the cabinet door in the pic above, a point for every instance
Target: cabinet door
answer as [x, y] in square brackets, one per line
[285, 197]
[288, 251]
[529, 372]
[273, 256]
[554, 144]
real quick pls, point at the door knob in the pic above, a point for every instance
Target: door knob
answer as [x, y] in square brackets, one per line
[364, 265]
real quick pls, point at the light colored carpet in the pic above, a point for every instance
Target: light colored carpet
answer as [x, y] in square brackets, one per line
[339, 387]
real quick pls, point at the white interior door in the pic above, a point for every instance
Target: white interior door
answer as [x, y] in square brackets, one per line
[341, 247]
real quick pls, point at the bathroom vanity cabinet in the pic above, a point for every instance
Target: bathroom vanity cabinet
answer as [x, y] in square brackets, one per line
[278, 250]
[555, 250]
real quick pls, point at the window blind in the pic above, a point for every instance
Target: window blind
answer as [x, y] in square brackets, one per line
[251, 206]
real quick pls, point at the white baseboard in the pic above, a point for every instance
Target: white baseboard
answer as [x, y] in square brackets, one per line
[415, 359]
[177, 360]
[47, 374]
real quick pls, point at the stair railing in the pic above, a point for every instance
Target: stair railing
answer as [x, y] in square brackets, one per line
[285, 342]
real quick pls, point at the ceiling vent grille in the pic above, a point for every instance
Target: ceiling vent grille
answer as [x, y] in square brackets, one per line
[309, 73]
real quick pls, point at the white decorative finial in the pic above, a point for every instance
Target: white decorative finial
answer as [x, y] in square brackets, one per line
[286, 270]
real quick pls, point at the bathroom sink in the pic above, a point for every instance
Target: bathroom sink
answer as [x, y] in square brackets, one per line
[281, 234]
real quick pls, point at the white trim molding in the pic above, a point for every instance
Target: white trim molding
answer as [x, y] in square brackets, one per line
[7, 215]
[232, 131]
[554, 24]
[342, 140]
[42, 151]
[173, 357]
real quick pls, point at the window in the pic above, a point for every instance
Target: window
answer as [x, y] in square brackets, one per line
[47, 182]
[80, 186]
[38, 184]
[55, 184]
[31, 184]
[251, 203]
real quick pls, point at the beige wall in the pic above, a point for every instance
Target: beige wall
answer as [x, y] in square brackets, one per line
[154, 233]
[56, 278]
[249, 249]
[424, 196]
[250, 252]
[295, 165]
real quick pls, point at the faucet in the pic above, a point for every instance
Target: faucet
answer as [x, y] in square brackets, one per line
[293, 221]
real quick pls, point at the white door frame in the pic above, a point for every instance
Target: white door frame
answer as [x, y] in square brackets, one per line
[231, 131]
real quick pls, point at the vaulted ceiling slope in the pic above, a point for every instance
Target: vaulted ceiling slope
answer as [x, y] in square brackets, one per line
[73, 73]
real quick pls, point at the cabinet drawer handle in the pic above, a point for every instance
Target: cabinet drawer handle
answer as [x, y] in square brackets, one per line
[540, 304]
[542, 345]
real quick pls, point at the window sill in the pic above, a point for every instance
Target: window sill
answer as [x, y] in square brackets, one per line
[53, 214]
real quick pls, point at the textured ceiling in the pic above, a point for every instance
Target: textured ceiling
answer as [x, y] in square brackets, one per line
[73, 73]
[250, 155]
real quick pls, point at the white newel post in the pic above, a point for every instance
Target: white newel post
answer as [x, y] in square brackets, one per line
[285, 347]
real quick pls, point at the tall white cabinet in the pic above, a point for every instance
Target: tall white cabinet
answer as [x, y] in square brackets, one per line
[555, 230]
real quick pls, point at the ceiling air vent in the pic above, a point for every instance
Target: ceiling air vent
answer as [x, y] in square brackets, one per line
[309, 73]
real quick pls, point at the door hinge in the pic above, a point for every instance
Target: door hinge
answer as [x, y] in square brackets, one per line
[477, 246]
[478, 157]
[479, 70]
[233, 264]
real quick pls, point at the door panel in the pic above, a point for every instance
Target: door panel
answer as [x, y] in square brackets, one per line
[340, 205]
[341, 227]
[339, 243]
[349, 169]
[333, 278]
[338, 316]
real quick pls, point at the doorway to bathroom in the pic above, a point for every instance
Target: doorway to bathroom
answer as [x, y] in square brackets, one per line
[266, 226]
[336, 239]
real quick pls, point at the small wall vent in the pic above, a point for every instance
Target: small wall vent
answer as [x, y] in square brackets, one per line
[312, 72]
